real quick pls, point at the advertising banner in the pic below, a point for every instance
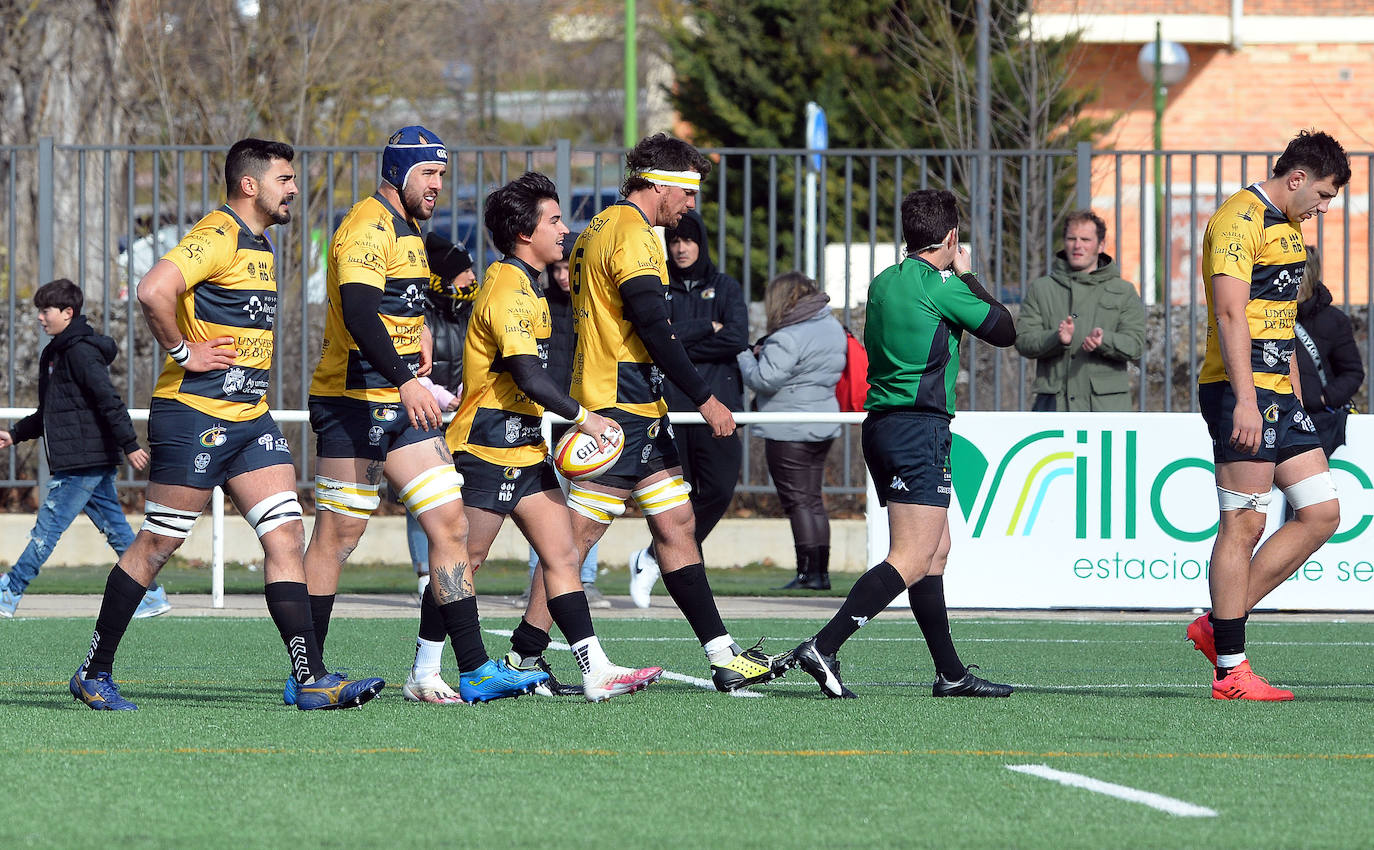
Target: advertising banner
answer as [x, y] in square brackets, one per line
[1120, 511]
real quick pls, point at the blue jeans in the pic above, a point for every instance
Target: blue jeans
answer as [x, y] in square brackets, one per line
[69, 494]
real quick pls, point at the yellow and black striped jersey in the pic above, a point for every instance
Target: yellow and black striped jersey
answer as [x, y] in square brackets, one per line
[1250, 239]
[495, 420]
[231, 290]
[377, 246]
[611, 367]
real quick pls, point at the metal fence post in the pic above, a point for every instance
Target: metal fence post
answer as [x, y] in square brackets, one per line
[46, 176]
[562, 173]
[1083, 196]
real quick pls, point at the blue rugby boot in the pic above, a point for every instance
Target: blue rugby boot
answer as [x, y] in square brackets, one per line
[334, 691]
[289, 692]
[496, 679]
[98, 692]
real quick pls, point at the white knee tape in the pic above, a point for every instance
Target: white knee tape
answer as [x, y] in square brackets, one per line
[663, 495]
[1312, 490]
[346, 497]
[436, 486]
[168, 522]
[274, 512]
[1230, 500]
[594, 505]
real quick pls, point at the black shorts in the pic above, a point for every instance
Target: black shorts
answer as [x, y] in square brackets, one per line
[194, 449]
[1288, 430]
[364, 429]
[500, 488]
[908, 456]
[649, 448]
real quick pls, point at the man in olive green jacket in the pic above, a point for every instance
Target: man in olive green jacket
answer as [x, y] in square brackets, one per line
[1082, 323]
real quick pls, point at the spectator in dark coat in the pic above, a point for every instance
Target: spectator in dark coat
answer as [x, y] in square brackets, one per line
[87, 433]
[1330, 369]
[707, 310]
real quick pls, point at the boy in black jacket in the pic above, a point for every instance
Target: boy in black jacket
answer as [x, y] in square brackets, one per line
[87, 429]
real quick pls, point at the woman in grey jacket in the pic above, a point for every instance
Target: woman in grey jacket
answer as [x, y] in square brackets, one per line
[795, 368]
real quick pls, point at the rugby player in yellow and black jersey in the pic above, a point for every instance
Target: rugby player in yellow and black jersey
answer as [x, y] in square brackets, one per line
[373, 419]
[211, 303]
[1249, 393]
[497, 440]
[625, 347]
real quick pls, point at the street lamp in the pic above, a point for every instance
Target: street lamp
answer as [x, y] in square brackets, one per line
[1162, 64]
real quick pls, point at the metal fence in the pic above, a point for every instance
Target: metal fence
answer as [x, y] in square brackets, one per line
[102, 215]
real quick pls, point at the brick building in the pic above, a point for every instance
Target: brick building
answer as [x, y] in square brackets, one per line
[1259, 71]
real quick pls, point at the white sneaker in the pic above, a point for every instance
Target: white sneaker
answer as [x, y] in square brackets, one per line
[422, 582]
[612, 681]
[643, 576]
[431, 689]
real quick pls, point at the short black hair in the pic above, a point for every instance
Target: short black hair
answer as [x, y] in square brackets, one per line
[1317, 153]
[927, 216]
[1079, 216]
[251, 158]
[664, 152]
[60, 293]
[513, 210]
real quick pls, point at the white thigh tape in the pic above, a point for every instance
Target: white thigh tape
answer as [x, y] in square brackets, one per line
[594, 505]
[1312, 490]
[168, 522]
[663, 495]
[274, 512]
[436, 486]
[1230, 500]
[346, 497]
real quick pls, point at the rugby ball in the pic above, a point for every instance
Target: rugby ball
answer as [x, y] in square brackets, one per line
[581, 457]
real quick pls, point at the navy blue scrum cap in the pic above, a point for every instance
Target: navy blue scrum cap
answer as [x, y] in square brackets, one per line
[407, 148]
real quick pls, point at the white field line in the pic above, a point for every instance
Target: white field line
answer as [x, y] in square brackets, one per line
[1178, 808]
[704, 684]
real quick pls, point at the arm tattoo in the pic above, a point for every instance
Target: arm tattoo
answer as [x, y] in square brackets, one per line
[451, 582]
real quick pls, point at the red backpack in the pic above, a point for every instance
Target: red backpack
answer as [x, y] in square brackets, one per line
[853, 386]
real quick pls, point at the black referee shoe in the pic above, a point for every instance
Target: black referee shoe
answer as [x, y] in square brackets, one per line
[968, 685]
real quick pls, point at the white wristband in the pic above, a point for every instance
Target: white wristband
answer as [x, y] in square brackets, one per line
[179, 354]
[581, 415]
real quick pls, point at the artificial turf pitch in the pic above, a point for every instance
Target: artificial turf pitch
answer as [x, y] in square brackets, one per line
[214, 759]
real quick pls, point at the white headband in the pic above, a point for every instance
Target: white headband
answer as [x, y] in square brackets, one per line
[680, 179]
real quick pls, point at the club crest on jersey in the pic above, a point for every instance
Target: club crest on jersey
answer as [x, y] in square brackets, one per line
[213, 436]
[1270, 352]
[235, 379]
[512, 429]
[384, 414]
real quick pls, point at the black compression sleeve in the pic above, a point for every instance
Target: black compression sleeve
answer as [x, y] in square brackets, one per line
[361, 305]
[647, 310]
[998, 328]
[536, 382]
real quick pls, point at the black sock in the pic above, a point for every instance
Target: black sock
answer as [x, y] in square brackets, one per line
[873, 592]
[465, 632]
[431, 621]
[692, 593]
[1229, 637]
[289, 604]
[927, 598]
[528, 641]
[321, 609]
[122, 595]
[573, 617]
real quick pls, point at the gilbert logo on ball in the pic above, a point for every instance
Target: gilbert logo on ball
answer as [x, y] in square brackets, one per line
[581, 457]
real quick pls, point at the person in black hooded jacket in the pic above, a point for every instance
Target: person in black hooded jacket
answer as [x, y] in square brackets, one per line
[708, 313]
[1330, 369]
[87, 432]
